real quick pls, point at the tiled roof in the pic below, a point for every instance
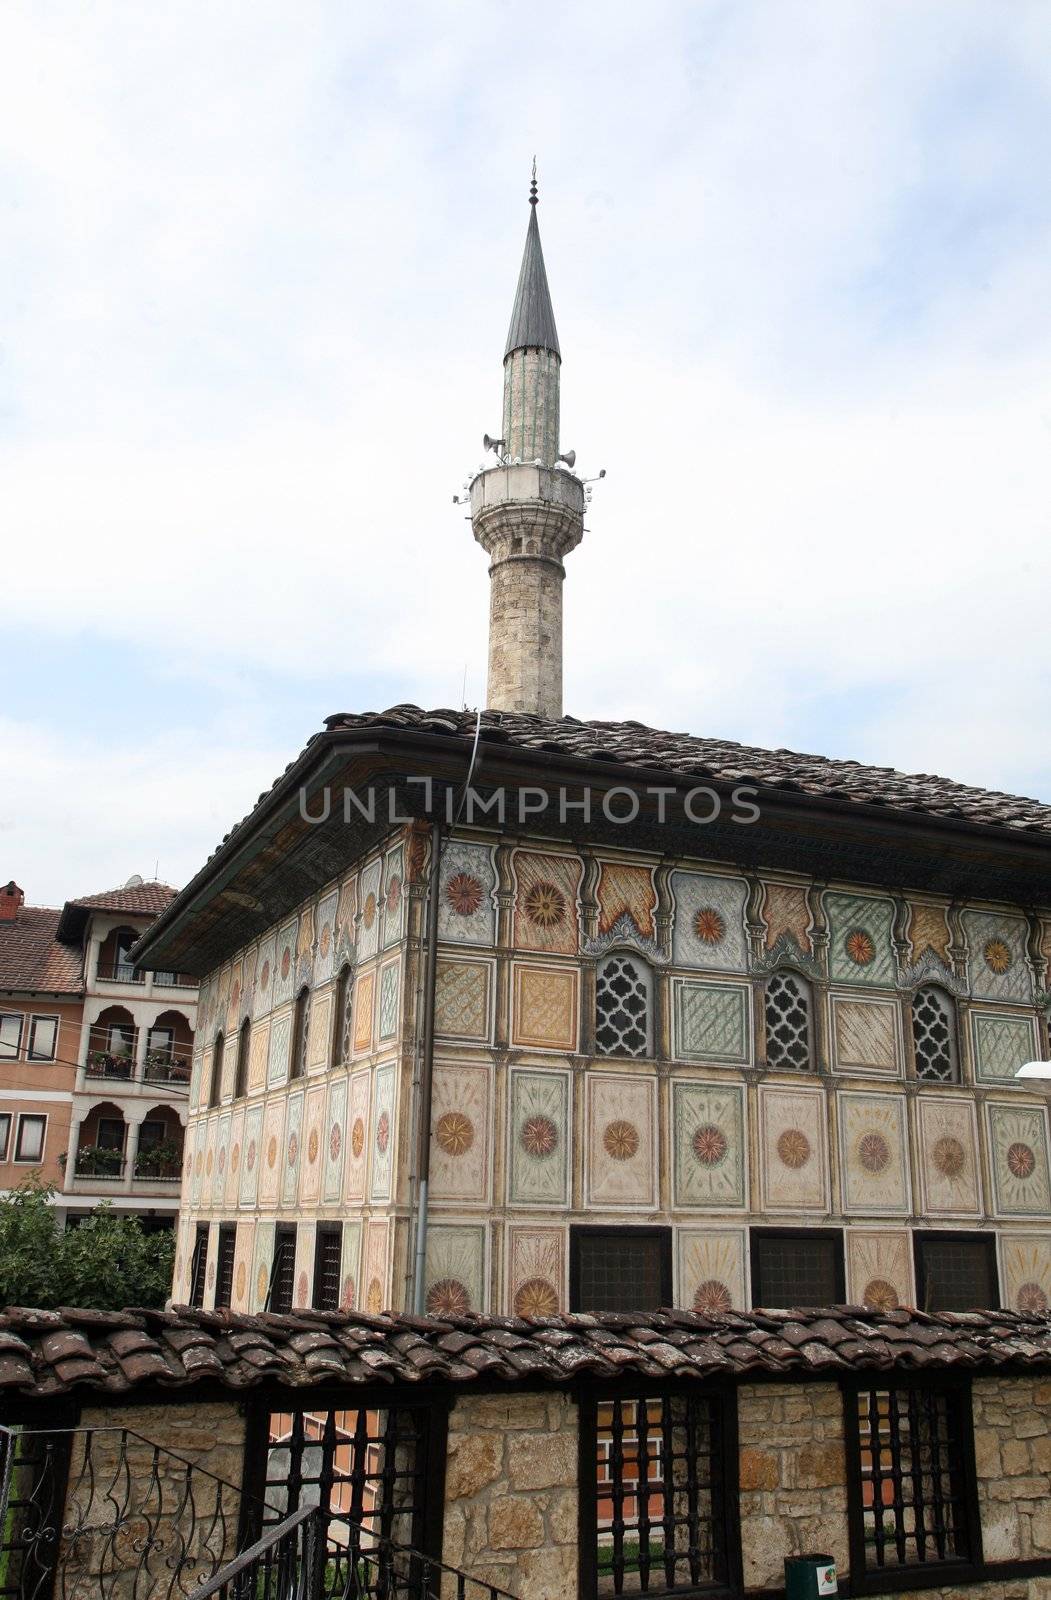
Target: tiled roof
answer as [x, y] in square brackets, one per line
[44, 1353]
[143, 899]
[631, 744]
[33, 958]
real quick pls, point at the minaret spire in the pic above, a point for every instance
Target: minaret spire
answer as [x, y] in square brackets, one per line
[528, 512]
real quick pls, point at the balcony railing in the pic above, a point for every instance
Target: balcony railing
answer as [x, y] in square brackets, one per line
[94, 1162]
[162, 1068]
[119, 972]
[161, 1164]
[173, 980]
[104, 1064]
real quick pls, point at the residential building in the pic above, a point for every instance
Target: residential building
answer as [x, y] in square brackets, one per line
[94, 1055]
[680, 1022]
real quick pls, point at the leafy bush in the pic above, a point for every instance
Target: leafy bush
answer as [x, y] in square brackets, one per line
[108, 1262]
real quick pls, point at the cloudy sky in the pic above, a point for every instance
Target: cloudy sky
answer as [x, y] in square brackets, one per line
[258, 265]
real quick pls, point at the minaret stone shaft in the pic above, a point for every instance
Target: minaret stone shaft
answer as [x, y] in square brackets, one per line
[528, 512]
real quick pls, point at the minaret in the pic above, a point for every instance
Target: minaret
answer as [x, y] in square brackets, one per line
[528, 511]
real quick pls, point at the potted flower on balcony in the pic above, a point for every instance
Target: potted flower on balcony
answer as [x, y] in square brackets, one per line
[163, 1160]
[159, 1064]
[93, 1161]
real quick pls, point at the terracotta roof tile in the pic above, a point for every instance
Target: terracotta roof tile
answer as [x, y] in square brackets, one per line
[46, 1353]
[142, 899]
[34, 959]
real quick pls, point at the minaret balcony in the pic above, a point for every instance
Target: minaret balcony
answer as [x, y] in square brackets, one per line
[526, 510]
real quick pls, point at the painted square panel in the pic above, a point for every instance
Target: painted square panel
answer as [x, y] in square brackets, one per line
[280, 1044]
[712, 1021]
[369, 921]
[233, 1004]
[244, 1251]
[324, 959]
[319, 1031]
[455, 1269]
[306, 1240]
[1018, 1159]
[866, 1035]
[1002, 1044]
[874, 1163]
[313, 1142]
[947, 1140]
[273, 1146]
[537, 1280]
[709, 921]
[538, 1136]
[357, 1143]
[293, 1150]
[222, 1158]
[376, 1275]
[364, 998]
[997, 956]
[250, 1156]
[1025, 1271]
[345, 927]
[879, 1268]
[196, 1075]
[350, 1266]
[303, 957]
[547, 891]
[209, 1161]
[787, 915]
[860, 943]
[198, 1162]
[335, 1141]
[620, 1160]
[461, 1117]
[929, 932]
[390, 976]
[263, 996]
[708, 1141]
[544, 1007]
[466, 911]
[258, 1053]
[383, 1133]
[793, 1146]
[393, 895]
[233, 1165]
[710, 1270]
[264, 1260]
[285, 975]
[461, 1001]
[627, 891]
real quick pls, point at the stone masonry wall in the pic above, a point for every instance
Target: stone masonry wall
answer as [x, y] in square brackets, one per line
[1012, 1449]
[793, 1477]
[511, 1493]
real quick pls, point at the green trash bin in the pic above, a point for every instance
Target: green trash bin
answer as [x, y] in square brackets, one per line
[809, 1577]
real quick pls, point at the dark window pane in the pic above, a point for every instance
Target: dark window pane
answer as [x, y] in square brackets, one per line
[224, 1272]
[799, 1269]
[622, 1269]
[198, 1265]
[283, 1271]
[957, 1274]
[326, 1267]
[910, 1463]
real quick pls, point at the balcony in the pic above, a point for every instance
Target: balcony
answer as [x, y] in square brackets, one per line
[104, 1064]
[103, 1165]
[160, 1067]
[162, 1163]
[119, 972]
[173, 980]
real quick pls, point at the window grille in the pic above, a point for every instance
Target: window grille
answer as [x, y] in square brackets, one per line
[934, 1036]
[787, 1021]
[328, 1253]
[300, 1032]
[956, 1272]
[34, 1471]
[224, 1267]
[367, 1469]
[911, 1477]
[198, 1265]
[215, 1088]
[658, 1509]
[283, 1269]
[343, 1032]
[622, 1007]
[620, 1269]
[244, 1038]
[802, 1268]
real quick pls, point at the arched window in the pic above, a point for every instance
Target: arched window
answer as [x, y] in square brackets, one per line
[934, 1036]
[622, 1007]
[216, 1087]
[342, 1032]
[788, 1021]
[241, 1070]
[300, 1030]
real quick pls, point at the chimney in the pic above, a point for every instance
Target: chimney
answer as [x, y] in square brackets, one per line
[11, 897]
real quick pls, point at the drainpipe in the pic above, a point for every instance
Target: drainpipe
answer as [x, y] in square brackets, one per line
[423, 1164]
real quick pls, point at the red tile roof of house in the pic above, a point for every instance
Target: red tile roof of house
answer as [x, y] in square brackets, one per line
[142, 899]
[32, 957]
[44, 1353]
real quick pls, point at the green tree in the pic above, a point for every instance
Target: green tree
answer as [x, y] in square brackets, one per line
[107, 1263]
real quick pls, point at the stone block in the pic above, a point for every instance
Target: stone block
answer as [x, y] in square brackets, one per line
[1002, 1537]
[759, 1469]
[1014, 1455]
[542, 1461]
[474, 1460]
[515, 1523]
[549, 1574]
[818, 1466]
[1040, 1528]
[498, 1412]
[1040, 1454]
[562, 1517]
[1030, 1426]
[987, 1452]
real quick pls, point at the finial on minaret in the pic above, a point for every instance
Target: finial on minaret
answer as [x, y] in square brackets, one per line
[533, 196]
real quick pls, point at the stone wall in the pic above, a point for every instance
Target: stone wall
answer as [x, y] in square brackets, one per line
[511, 1493]
[793, 1477]
[1012, 1448]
